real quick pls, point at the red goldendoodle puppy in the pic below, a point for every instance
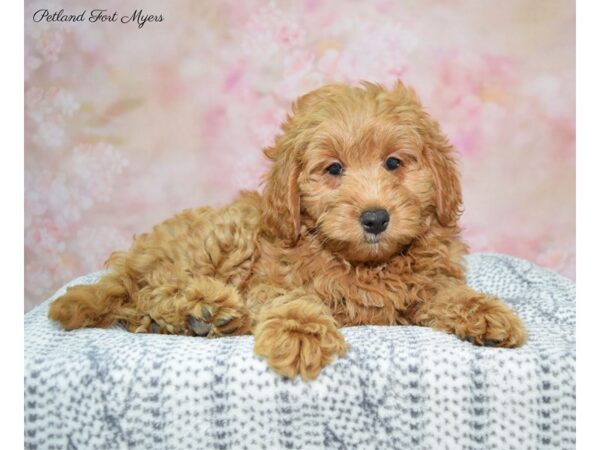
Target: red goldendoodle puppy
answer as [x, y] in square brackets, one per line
[357, 225]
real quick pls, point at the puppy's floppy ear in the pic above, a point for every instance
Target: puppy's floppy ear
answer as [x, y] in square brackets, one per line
[439, 156]
[281, 215]
[438, 153]
[281, 210]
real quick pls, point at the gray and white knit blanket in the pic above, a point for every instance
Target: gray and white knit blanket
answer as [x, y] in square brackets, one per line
[398, 387]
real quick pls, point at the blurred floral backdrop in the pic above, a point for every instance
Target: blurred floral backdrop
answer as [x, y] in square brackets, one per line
[125, 126]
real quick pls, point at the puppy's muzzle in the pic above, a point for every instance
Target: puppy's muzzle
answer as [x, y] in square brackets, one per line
[375, 221]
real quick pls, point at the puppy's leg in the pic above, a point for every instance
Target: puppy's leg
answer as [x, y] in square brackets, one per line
[201, 306]
[471, 315]
[95, 305]
[297, 334]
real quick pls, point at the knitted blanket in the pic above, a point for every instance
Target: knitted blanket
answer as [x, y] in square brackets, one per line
[398, 387]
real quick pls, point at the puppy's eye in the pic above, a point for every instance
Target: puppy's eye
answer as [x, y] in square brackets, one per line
[335, 169]
[392, 163]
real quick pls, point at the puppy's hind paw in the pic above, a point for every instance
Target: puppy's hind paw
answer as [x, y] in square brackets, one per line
[216, 309]
[198, 327]
[212, 322]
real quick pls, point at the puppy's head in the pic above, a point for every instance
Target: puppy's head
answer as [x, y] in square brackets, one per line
[364, 169]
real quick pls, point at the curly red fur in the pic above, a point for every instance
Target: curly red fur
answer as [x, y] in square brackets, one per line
[294, 264]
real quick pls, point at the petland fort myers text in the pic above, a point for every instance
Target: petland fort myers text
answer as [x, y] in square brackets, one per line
[138, 17]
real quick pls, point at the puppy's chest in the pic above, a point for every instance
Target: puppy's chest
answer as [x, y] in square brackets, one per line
[371, 296]
[356, 295]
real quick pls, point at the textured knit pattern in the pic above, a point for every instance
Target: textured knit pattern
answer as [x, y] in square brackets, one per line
[398, 387]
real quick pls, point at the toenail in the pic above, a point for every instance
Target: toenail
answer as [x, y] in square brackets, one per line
[206, 314]
[223, 321]
[229, 331]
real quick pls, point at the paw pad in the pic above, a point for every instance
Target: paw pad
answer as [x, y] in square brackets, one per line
[224, 321]
[199, 327]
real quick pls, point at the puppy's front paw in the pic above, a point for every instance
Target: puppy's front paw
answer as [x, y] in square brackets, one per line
[299, 343]
[294, 349]
[492, 323]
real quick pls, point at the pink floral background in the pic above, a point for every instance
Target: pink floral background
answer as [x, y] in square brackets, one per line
[125, 126]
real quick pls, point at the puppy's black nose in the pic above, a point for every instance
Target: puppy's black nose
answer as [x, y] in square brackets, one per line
[375, 221]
